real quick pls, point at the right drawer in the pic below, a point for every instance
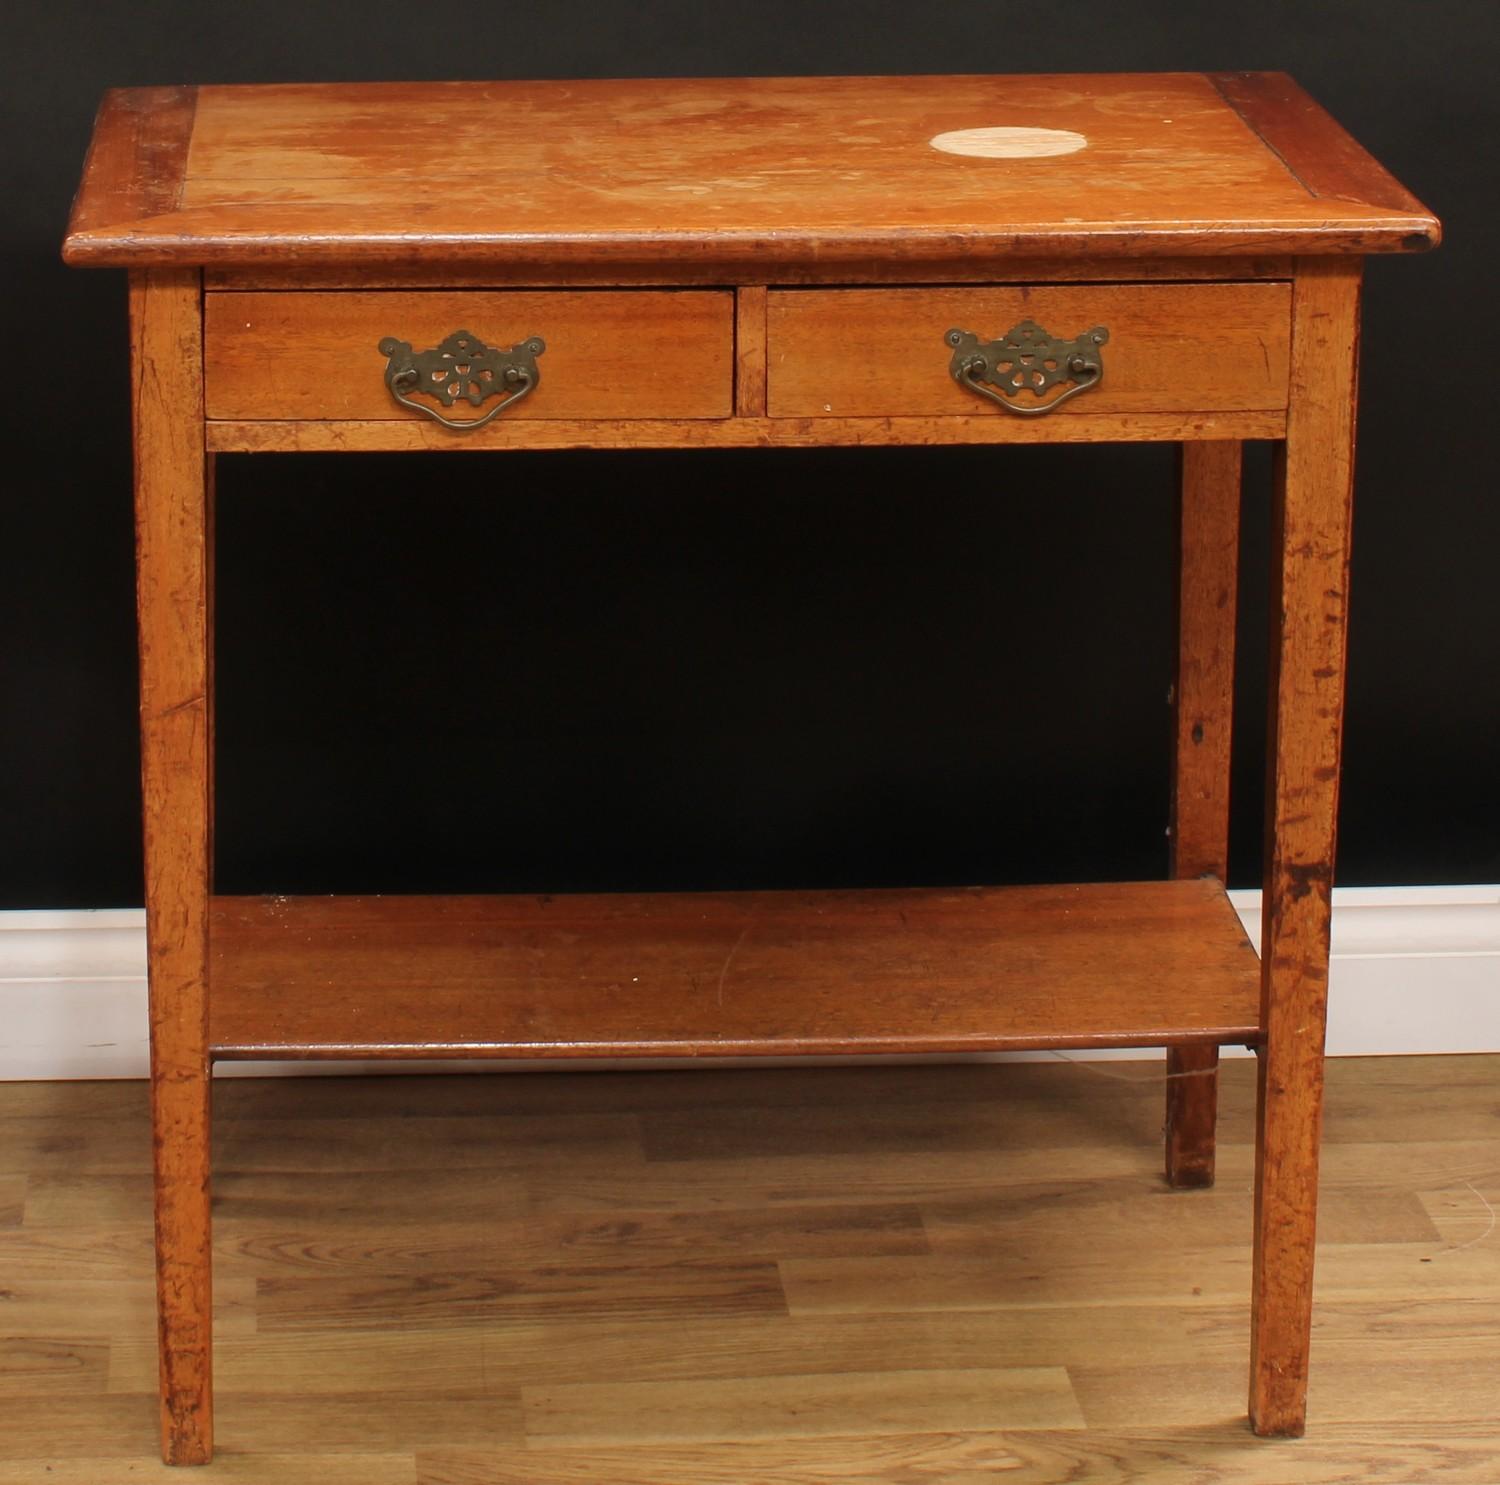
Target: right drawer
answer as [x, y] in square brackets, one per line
[1171, 348]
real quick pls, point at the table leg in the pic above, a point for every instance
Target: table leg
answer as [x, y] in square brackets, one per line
[1310, 562]
[1203, 705]
[173, 573]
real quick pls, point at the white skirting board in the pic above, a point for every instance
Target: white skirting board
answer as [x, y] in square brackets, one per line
[1415, 969]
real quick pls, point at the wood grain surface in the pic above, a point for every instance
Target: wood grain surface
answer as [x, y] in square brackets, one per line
[1203, 687]
[780, 171]
[172, 494]
[359, 211]
[995, 426]
[498, 273]
[1208, 534]
[137, 157]
[636, 354]
[1075, 1291]
[1327, 160]
[1312, 516]
[882, 352]
[755, 973]
[750, 351]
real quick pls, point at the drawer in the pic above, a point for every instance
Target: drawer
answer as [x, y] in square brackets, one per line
[627, 354]
[1184, 348]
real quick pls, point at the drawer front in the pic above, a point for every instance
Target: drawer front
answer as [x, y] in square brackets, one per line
[627, 354]
[849, 353]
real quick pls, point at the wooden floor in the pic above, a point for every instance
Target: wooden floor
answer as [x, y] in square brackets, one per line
[920, 1276]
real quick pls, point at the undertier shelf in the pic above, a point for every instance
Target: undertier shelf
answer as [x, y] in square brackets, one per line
[741, 974]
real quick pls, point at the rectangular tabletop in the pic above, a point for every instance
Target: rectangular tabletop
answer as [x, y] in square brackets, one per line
[770, 171]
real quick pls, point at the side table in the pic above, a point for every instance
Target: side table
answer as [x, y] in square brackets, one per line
[756, 262]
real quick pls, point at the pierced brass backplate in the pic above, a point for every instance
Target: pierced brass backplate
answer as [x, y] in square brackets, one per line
[1020, 368]
[461, 368]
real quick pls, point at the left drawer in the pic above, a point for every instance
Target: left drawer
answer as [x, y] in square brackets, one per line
[634, 353]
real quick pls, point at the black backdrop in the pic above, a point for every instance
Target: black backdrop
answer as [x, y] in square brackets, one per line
[656, 669]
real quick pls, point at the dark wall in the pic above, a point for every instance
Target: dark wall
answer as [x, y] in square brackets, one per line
[720, 668]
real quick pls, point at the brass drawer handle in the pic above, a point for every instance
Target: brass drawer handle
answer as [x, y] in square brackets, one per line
[1027, 362]
[462, 367]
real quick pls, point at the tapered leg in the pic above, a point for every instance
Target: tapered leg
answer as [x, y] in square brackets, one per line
[172, 555]
[1313, 502]
[1203, 700]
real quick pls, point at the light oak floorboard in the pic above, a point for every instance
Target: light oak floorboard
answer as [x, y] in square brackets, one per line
[228, 1464]
[347, 1244]
[12, 1200]
[999, 1124]
[1350, 1389]
[1215, 1217]
[560, 1279]
[485, 1142]
[41, 1366]
[671, 1291]
[872, 1175]
[344, 1422]
[316, 1198]
[1218, 1452]
[801, 1406]
[64, 1307]
[571, 1352]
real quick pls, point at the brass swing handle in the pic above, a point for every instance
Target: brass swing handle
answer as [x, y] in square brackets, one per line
[1026, 363]
[462, 368]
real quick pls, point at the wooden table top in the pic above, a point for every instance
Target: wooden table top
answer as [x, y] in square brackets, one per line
[769, 171]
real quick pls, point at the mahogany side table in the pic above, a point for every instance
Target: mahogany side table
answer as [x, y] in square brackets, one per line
[753, 262]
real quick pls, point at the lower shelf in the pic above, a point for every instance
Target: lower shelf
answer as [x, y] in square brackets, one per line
[742, 974]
